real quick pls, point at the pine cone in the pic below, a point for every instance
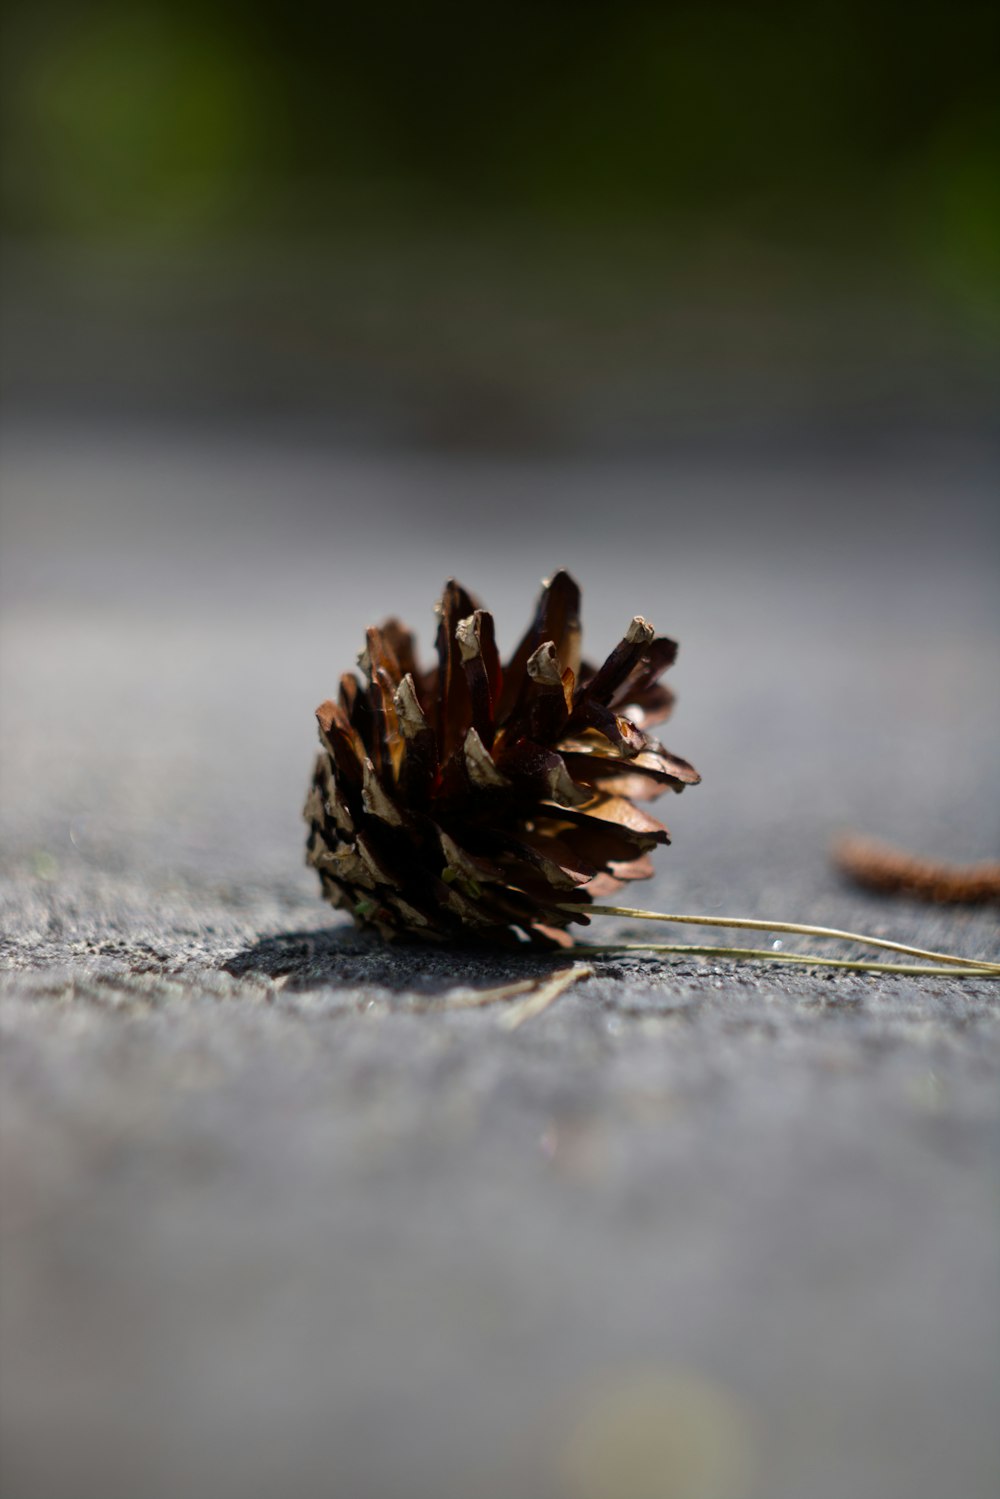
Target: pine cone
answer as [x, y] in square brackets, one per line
[482, 801]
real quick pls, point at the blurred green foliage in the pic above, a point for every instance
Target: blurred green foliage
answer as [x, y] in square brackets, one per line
[871, 127]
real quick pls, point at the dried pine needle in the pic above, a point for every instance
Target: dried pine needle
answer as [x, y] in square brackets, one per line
[800, 928]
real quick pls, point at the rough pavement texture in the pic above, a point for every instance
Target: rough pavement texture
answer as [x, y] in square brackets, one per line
[270, 1225]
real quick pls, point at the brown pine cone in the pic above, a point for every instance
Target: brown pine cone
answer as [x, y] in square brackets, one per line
[480, 801]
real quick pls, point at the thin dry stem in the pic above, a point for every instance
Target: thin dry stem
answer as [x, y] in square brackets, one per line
[473, 999]
[809, 959]
[546, 993]
[799, 928]
[530, 996]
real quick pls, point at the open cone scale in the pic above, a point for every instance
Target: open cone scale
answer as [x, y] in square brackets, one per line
[477, 800]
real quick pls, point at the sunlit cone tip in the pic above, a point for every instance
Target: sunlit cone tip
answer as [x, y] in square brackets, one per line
[477, 800]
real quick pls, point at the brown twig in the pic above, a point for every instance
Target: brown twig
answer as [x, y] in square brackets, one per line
[879, 866]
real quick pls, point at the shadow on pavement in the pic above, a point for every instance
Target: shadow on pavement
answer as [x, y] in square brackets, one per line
[343, 957]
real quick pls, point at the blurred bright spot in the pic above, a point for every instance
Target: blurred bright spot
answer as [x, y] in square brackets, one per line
[659, 1434]
[134, 119]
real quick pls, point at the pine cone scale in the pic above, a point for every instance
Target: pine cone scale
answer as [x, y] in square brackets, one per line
[480, 801]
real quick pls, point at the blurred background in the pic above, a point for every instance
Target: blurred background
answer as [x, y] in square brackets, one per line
[305, 309]
[537, 226]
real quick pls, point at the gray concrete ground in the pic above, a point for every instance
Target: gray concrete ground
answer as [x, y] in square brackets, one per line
[700, 1231]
